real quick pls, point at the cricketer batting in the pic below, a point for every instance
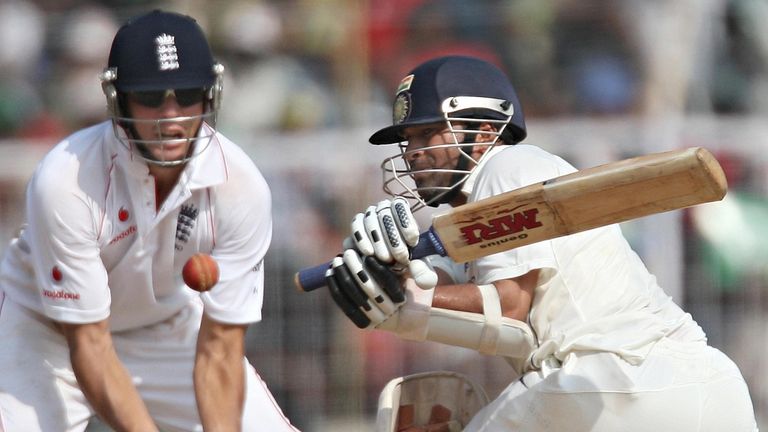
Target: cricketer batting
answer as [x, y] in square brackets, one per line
[597, 343]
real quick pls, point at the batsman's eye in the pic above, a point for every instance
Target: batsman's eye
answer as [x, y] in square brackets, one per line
[153, 99]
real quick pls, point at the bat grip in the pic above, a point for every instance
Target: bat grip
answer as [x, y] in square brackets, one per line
[312, 278]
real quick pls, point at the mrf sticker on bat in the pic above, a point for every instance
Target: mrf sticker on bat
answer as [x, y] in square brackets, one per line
[507, 225]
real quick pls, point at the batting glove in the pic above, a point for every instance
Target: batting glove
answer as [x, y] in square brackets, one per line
[366, 280]
[367, 291]
[388, 232]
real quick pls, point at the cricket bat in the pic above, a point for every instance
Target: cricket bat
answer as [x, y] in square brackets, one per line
[603, 195]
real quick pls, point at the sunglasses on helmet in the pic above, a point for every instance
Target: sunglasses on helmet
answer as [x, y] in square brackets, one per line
[155, 98]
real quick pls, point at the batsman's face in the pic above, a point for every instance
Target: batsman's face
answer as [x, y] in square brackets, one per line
[168, 127]
[432, 154]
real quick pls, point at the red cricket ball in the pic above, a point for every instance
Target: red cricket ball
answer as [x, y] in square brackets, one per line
[200, 272]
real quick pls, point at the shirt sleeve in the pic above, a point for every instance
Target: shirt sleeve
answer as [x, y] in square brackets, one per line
[63, 239]
[243, 232]
[510, 169]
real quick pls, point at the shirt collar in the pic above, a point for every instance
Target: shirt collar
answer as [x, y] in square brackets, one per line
[469, 184]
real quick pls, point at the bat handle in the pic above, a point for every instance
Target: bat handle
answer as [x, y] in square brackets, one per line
[312, 278]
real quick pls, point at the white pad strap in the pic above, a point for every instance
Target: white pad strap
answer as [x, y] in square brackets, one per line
[418, 321]
[489, 339]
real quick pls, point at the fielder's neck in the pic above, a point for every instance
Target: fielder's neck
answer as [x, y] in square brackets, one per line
[166, 178]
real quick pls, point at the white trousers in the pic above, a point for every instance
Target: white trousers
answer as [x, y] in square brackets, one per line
[39, 392]
[679, 387]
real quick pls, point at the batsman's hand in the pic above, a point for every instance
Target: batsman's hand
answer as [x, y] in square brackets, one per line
[387, 232]
[366, 280]
[364, 289]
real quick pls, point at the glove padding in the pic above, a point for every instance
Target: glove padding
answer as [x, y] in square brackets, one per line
[386, 231]
[366, 290]
[365, 280]
[369, 292]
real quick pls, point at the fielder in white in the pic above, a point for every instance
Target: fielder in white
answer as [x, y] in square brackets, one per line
[598, 344]
[94, 315]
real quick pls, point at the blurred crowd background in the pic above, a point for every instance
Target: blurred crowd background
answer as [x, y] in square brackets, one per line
[307, 81]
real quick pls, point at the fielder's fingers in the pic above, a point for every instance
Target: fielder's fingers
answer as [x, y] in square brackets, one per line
[371, 287]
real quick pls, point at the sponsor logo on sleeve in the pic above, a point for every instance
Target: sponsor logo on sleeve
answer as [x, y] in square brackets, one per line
[58, 275]
[60, 295]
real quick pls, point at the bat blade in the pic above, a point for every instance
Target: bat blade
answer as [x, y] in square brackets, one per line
[586, 199]
[607, 194]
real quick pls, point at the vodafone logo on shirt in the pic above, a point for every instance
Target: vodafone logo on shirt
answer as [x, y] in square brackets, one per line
[58, 276]
[123, 214]
[61, 295]
[131, 229]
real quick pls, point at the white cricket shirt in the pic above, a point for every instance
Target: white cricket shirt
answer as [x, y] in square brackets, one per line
[594, 292]
[95, 246]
